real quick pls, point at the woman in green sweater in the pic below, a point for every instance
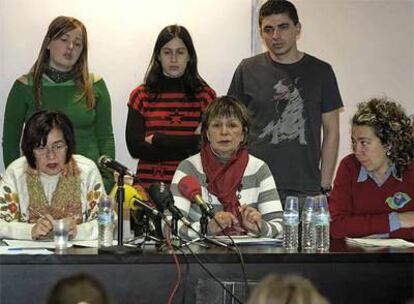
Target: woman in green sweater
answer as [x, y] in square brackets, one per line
[60, 81]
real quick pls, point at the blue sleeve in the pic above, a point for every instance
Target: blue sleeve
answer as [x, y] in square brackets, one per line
[394, 221]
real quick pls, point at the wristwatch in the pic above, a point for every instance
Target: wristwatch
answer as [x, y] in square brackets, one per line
[326, 190]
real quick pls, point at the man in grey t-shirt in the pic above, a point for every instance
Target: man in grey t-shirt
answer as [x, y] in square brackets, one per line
[290, 96]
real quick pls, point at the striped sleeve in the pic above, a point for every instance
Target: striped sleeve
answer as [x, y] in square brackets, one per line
[137, 97]
[259, 190]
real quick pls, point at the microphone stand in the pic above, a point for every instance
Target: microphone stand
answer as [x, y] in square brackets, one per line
[203, 232]
[203, 223]
[147, 231]
[174, 225]
[120, 198]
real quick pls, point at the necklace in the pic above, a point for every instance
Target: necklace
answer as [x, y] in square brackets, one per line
[59, 76]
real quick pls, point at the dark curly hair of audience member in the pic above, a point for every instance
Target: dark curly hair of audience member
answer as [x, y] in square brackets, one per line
[392, 126]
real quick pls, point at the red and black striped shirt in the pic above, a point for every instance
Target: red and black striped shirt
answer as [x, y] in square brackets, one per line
[172, 117]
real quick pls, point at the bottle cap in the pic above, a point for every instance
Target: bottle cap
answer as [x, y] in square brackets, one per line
[105, 202]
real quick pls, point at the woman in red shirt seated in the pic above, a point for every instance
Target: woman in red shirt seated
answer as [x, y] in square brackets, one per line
[373, 192]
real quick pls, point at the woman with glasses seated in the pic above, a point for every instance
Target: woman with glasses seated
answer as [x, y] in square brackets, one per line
[373, 192]
[239, 186]
[49, 182]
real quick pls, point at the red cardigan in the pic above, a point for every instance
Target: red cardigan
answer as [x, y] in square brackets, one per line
[360, 209]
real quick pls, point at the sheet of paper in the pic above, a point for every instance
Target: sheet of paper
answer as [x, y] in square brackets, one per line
[32, 244]
[248, 240]
[380, 242]
[92, 244]
[26, 250]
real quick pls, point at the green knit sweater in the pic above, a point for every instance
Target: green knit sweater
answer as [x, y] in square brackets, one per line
[93, 128]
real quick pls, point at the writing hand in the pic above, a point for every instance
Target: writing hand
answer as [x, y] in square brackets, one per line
[223, 219]
[252, 218]
[42, 227]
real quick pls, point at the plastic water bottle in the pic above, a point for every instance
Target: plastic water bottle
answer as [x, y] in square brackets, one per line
[105, 222]
[291, 224]
[308, 224]
[322, 218]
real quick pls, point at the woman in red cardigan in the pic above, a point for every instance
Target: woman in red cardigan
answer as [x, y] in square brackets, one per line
[373, 192]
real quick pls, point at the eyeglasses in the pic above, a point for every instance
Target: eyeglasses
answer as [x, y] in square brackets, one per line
[55, 148]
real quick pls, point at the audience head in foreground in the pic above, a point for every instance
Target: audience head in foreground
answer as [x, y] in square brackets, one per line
[286, 289]
[79, 288]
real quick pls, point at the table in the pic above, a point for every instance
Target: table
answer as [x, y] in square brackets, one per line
[344, 275]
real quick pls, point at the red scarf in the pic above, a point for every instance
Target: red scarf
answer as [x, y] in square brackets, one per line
[224, 179]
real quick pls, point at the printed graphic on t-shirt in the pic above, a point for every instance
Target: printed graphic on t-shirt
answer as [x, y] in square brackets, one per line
[289, 121]
[175, 118]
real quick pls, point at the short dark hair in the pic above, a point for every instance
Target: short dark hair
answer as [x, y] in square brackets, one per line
[37, 129]
[226, 106]
[191, 78]
[77, 288]
[275, 7]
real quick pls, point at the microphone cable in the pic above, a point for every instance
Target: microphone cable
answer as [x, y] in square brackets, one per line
[177, 264]
[172, 249]
[190, 188]
[240, 255]
[236, 249]
[202, 264]
[213, 276]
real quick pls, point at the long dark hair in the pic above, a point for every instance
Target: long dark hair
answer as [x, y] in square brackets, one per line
[192, 80]
[57, 28]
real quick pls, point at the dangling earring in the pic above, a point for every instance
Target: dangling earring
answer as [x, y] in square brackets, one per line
[388, 153]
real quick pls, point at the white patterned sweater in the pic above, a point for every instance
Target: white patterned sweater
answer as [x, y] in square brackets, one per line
[14, 199]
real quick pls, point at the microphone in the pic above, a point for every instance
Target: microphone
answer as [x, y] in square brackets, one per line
[109, 163]
[135, 199]
[137, 204]
[190, 188]
[164, 199]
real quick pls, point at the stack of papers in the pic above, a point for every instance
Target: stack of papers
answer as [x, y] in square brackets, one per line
[18, 250]
[247, 240]
[380, 242]
[32, 244]
[26, 247]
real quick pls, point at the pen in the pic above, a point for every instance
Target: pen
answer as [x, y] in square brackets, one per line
[41, 215]
[23, 248]
[258, 228]
[37, 213]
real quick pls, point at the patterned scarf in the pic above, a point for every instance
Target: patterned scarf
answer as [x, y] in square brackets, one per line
[66, 199]
[224, 179]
